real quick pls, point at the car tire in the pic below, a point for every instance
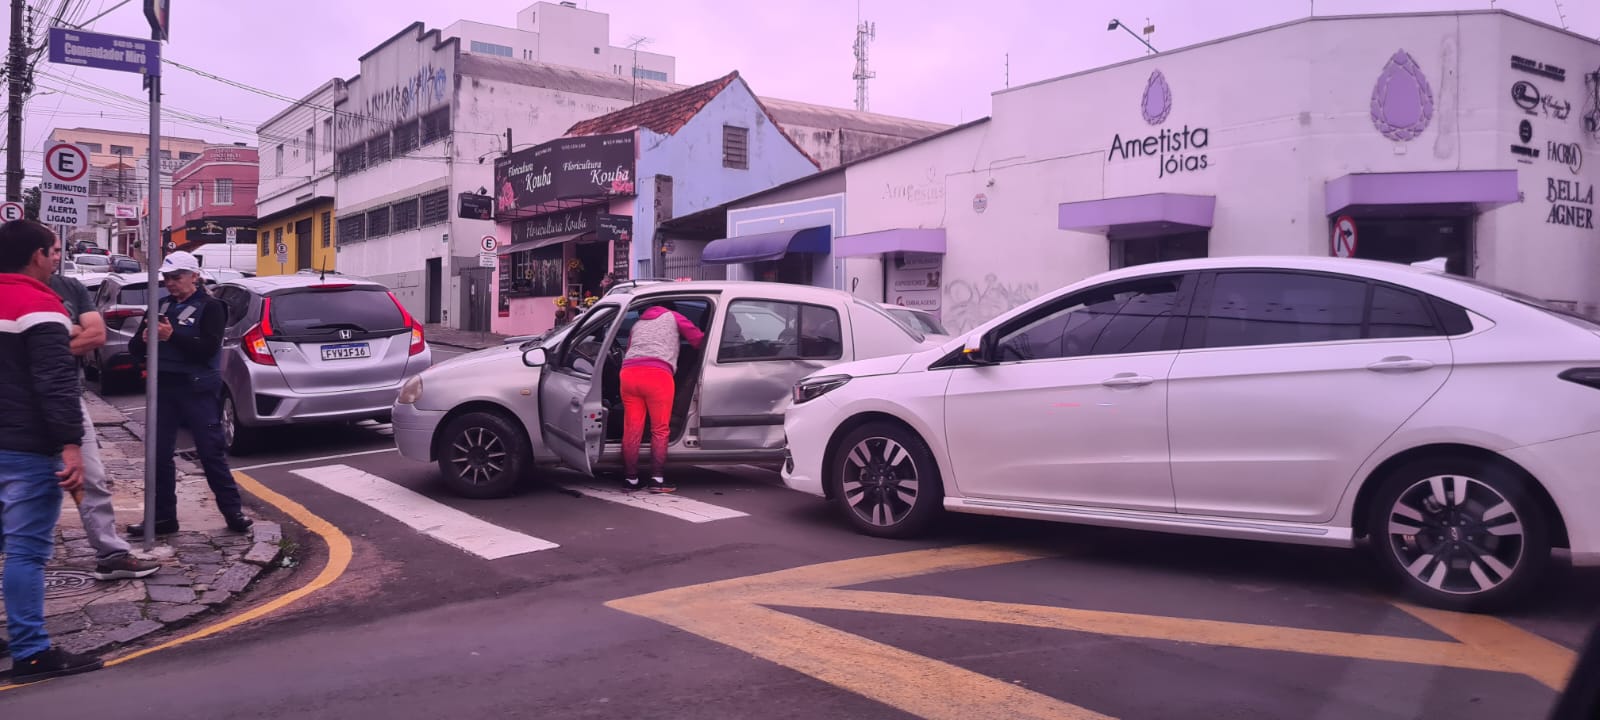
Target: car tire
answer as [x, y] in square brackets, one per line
[237, 439]
[886, 482]
[1481, 540]
[483, 455]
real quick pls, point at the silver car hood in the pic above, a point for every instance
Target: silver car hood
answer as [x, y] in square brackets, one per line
[479, 357]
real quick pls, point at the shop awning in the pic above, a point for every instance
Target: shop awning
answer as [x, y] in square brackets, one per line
[541, 242]
[767, 246]
[1157, 213]
[1483, 188]
[921, 240]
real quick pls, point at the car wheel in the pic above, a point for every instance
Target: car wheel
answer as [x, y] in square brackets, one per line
[237, 439]
[885, 480]
[483, 455]
[1460, 534]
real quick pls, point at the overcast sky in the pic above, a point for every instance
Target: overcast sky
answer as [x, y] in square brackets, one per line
[937, 60]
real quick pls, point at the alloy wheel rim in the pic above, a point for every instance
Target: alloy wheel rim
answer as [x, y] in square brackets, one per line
[880, 481]
[478, 455]
[1456, 534]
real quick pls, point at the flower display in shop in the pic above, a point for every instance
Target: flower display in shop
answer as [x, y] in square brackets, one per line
[562, 302]
[575, 265]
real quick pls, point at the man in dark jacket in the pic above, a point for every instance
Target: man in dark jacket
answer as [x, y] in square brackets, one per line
[41, 428]
[189, 391]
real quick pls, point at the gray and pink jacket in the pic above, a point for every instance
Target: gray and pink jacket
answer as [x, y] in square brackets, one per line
[654, 341]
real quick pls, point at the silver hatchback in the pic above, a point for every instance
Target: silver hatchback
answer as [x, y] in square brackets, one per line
[303, 349]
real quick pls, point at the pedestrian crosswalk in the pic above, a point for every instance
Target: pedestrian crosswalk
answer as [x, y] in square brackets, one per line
[464, 531]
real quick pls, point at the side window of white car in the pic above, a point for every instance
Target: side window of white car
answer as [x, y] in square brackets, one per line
[583, 349]
[1274, 308]
[1129, 317]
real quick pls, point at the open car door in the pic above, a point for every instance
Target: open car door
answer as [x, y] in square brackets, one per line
[572, 415]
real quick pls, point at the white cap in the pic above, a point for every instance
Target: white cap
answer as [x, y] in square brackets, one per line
[180, 260]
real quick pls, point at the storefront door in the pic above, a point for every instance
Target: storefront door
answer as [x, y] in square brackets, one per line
[1415, 239]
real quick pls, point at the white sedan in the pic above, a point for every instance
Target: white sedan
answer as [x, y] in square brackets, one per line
[1453, 425]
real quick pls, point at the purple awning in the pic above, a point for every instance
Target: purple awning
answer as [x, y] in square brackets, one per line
[922, 240]
[1483, 188]
[1167, 212]
[767, 246]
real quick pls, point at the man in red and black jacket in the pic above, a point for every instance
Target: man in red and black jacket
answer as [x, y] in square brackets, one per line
[41, 429]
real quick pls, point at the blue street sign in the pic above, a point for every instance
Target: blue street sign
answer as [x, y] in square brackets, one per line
[106, 52]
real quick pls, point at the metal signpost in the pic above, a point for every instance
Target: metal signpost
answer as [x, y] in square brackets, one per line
[127, 54]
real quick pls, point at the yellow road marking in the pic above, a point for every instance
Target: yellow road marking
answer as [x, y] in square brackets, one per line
[739, 613]
[339, 554]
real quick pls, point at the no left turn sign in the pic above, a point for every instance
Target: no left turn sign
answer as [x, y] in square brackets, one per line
[1344, 237]
[10, 211]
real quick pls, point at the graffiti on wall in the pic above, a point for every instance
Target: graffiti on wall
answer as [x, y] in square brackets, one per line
[385, 107]
[969, 304]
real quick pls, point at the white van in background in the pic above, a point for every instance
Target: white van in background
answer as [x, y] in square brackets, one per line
[218, 256]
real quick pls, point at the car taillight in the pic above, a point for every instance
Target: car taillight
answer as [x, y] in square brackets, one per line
[1588, 376]
[418, 344]
[120, 314]
[254, 341]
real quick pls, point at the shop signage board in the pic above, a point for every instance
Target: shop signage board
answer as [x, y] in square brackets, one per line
[592, 167]
[915, 280]
[1344, 237]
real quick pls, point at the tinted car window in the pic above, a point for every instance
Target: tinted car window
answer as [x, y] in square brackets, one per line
[1271, 308]
[1131, 317]
[582, 354]
[326, 312]
[136, 295]
[695, 310]
[1398, 314]
[770, 330]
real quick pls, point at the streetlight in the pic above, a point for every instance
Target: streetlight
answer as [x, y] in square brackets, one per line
[1115, 23]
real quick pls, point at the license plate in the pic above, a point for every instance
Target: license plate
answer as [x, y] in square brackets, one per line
[346, 351]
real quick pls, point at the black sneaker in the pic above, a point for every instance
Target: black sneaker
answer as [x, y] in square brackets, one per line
[659, 484]
[163, 527]
[239, 523]
[124, 567]
[631, 484]
[52, 663]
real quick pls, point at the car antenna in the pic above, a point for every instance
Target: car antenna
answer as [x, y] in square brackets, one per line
[324, 274]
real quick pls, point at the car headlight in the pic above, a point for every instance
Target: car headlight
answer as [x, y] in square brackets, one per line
[807, 390]
[410, 391]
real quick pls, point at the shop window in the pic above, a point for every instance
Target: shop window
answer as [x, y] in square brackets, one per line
[435, 208]
[735, 147]
[351, 229]
[1128, 251]
[1416, 239]
[327, 229]
[767, 330]
[1133, 317]
[1272, 308]
[378, 222]
[405, 215]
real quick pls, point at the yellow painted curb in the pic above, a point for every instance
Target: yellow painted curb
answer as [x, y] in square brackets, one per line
[339, 554]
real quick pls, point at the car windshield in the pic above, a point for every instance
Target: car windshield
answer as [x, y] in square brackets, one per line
[325, 312]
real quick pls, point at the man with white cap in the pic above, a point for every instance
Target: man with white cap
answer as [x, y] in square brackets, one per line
[189, 391]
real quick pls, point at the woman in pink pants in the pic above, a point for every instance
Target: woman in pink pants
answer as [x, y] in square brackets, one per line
[648, 388]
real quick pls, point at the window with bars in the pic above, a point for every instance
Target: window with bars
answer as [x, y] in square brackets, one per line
[436, 125]
[378, 149]
[435, 208]
[405, 215]
[378, 222]
[353, 160]
[264, 241]
[351, 229]
[735, 147]
[327, 229]
[406, 136]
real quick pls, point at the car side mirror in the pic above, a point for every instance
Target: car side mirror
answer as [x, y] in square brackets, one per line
[535, 357]
[977, 350]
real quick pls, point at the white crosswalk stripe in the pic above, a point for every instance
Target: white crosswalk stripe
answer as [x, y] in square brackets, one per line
[429, 517]
[667, 504]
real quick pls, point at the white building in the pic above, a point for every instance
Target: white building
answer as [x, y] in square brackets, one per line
[1406, 138]
[296, 186]
[423, 121]
[563, 34]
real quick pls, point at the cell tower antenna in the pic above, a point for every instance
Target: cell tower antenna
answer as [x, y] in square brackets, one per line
[865, 33]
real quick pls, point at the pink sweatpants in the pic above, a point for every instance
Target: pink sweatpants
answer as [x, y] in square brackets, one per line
[646, 390]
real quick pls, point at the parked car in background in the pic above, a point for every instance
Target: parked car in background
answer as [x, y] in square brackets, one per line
[87, 247]
[92, 263]
[125, 264]
[121, 299]
[1302, 400]
[922, 320]
[489, 418]
[307, 349]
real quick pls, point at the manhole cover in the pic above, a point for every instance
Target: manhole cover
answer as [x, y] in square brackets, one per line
[60, 583]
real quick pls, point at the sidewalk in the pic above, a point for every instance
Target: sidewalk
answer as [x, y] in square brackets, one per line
[464, 339]
[204, 567]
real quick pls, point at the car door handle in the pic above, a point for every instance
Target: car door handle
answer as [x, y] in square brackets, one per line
[1400, 363]
[1127, 380]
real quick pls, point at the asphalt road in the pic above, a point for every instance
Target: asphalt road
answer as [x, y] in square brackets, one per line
[648, 609]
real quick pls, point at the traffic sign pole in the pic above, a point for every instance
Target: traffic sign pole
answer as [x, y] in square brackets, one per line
[152, 247]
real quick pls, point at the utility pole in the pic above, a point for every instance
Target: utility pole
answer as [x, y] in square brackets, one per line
[16, 81]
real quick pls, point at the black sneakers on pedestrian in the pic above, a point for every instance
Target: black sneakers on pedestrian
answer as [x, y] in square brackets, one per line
[124, 567]
[659, 484]
[52, 663]
[631, 484]
[163, 527]
[239, 523]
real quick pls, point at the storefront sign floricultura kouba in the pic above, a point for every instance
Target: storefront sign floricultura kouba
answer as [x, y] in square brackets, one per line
[570, 222]
[1174, 150]
[596, 166]
[1568, 199]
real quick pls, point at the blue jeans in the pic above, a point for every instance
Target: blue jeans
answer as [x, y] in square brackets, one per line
[32, 496]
